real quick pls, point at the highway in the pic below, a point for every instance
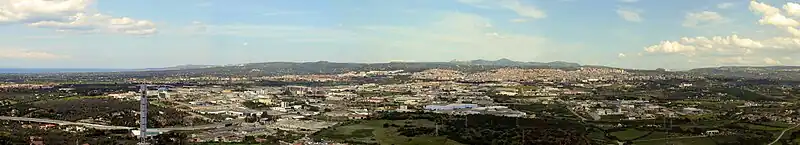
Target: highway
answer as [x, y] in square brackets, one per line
[189, 111]
[671, 138]
[576, 114]
[109, 127]
[782, 133]
[60, 122]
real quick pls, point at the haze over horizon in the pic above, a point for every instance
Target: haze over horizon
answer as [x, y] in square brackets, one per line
[645, 34]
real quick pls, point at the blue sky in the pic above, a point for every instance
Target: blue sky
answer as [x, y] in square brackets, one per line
[621, 33]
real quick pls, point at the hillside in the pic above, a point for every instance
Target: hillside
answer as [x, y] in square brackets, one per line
[324, 67]
[751, 72]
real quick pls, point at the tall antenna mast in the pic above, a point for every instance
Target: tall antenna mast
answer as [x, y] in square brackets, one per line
[143, 115]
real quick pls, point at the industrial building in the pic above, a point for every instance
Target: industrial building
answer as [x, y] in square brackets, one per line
[450, 107]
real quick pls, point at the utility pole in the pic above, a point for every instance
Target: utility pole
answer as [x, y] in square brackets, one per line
[143, 115]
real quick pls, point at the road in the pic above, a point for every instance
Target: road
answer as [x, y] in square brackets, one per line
[189, 111]
[671, 138]
[60, 122]
[782, 133]
[576, 114]
[109, 127]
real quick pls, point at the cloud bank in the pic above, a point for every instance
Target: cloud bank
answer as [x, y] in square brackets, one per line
[69, 16]
[739, 50]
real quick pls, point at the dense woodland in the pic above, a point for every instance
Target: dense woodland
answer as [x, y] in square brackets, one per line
[488, 129]
[101, 111]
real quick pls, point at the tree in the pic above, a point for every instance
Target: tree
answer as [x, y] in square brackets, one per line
[251, 119]
[172, 138]
[312, 108]
[267, 116]
[249, 139]
[5, 138]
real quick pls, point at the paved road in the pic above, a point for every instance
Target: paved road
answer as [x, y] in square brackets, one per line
[576, 114]
[60, 122]
[782, 133]
[109, 127]
[189, 111]
[671, 138]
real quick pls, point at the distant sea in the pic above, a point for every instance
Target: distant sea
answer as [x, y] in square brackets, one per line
[56, 70]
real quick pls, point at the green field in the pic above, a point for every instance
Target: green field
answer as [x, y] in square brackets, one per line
[82, 97]
[655, 135]
[71, 98]
[374, 132]
[745, 94]
[629, 134]
[781, 124]
[679, 141]
[760, 127]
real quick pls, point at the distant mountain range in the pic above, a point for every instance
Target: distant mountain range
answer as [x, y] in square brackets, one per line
[508, 62]
[180, 67]
[308, 67]
[56, 70]
[324, 67]
[87, 70]
[751, 72]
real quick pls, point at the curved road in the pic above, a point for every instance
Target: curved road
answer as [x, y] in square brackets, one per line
[576, 114]
[685, 137]
[109, 127]
[782, 133]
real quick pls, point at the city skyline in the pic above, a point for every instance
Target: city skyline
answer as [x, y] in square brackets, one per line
[619, 33]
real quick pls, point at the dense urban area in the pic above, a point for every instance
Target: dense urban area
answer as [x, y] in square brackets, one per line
[475, 102]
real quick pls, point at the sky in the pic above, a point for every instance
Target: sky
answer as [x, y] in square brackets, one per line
[645, 34]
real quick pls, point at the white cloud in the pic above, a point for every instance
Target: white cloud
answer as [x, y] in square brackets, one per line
[736, 50]
[779, 20]
[772, 15]
[517, 6]
[763, 8]
[793, 31]
[82, 22]
[69, 16]
[792, 8]
[672, 47]
[629, 15]
[695, 19]
[629, 1]
[28, 54]
[725, 5]
[621, 55]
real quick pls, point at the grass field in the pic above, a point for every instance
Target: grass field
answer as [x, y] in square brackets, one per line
[745, 94]
[629, 134]
[682, 141]
[760, 127]
[655, 135]
[71, 98]
[373, 131]
[775, 123]
[82, 97]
